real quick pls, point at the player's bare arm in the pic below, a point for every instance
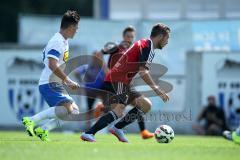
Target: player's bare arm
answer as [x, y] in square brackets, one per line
[52, 64]
[144, 73]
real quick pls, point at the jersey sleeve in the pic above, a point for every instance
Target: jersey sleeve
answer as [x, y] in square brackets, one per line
[55, 51]
[145, 55]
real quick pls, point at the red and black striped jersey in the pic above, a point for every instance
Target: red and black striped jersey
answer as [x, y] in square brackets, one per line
[116, 51]
[122, 48]
[141, 53]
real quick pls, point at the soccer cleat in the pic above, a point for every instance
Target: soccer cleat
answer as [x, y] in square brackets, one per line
[236, 137]
[42, 134]
[88, 137]
[118, 133]
[29, 125]
[146, 134]
[228, 135]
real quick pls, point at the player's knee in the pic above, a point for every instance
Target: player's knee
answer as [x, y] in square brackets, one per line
[143, 101]
[67, 106]
[119, 110]
[72, 108]
[119, 113]
[61, 112]
[75, 110]
[146, 105]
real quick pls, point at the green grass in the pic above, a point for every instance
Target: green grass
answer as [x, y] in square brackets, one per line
[18, 146]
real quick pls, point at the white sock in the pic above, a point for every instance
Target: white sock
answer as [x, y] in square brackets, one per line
[50, 113]
[52, 124]
[45, 114]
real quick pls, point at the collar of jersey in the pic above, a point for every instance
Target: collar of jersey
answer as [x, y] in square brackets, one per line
[152, 49]
[60, 35]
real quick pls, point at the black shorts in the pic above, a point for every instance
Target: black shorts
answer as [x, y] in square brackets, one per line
[119, 93]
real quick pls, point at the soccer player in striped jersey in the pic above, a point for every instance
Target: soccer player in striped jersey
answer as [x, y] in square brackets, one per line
[116, 51]
[137, 59]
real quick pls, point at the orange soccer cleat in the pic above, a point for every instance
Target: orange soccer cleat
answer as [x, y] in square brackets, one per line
[146, 134]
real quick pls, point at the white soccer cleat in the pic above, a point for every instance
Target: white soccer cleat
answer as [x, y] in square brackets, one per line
[118, 133]
[227, 134]
[88, 137]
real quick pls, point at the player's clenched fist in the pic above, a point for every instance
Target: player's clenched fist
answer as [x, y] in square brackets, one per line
[71, 84]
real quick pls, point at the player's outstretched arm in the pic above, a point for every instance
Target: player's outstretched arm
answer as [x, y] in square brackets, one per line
[144, 74]
[52, 64]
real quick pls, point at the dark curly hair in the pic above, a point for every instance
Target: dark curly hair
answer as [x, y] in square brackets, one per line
[69, 18]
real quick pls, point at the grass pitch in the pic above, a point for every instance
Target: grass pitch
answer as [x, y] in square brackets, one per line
[18, 146]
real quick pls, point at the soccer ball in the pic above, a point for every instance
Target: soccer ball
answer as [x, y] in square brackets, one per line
[164, 134]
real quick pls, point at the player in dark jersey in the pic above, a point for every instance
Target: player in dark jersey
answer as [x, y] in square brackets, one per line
[116, 51]
[136, 59]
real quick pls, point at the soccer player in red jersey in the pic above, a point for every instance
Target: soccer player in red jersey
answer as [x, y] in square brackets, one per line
[137, 59]
[116, 51]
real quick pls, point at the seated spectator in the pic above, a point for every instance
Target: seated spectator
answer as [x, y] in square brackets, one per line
[211, 120]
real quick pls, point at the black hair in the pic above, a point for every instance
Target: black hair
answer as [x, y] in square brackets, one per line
[159, 28]
[69, 18]
[128, 29]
